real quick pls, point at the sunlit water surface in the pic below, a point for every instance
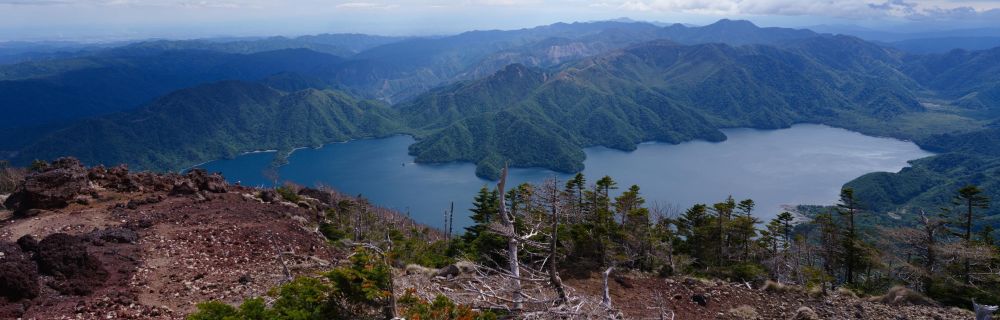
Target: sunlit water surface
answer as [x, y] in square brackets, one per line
[805, 164]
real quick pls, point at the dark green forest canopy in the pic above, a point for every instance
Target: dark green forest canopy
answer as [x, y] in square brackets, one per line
[216, 120]
[654, 91]
[966, 159]
[531, 112]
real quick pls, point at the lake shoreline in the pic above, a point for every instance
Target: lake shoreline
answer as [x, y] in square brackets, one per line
[805, 164]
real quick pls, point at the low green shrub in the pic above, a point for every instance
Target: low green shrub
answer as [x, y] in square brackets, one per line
[441, 308]
[288, 193]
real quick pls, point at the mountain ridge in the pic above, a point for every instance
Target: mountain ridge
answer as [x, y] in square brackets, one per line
[220, 119]
[625, 96]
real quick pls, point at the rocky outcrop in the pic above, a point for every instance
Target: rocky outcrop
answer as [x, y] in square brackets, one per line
[116, 178]
[115, 235]
[184, 187]
[18, 274]
[199, 180]
[268, 196]
[53, 187]
[65, 258]
[214, 182]
[27, 243]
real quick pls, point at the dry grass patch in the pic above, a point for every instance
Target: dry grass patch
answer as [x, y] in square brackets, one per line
[900, 295]
[744, 312]
[777, 287]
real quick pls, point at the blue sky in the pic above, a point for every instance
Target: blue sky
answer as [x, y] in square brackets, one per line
[98, 20]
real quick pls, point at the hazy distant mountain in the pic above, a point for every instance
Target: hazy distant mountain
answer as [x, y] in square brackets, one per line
[732, 32]
[387, 68]
[216, 120]
[343, 44]
[400, 70]
[23, 51]
[943, 45]
[900, 35]
[49, 91]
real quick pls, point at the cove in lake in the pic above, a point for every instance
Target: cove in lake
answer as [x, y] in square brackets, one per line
[804, 164]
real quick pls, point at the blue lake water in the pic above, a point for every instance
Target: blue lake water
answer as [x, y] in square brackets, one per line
[804, 164]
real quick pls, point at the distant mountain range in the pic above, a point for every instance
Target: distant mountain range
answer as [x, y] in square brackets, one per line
[215, 120]
[944, 45]
[877, 35]
[529, 97]
[658, 90]
[390, 69]
[38, 93]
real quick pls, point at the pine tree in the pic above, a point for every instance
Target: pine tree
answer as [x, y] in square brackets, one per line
[635, 224]
[605, 185]
[785, 220]
[848, 208]
[746, 225]
[628, 201]
[695, 227]
[574, 189]
[482, 243]
[723, 213]
[970, 197]
[830, 235]
[605, 227]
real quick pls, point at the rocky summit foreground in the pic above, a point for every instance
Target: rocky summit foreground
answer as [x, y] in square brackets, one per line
[106, 243]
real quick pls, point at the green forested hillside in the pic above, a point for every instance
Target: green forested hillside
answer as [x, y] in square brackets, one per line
[216, 120]
[401, 70]
[654, 91]
[970, 78]
[47, 92]
[388, 68]
[969, 83]
[533, 97]
[966, 159]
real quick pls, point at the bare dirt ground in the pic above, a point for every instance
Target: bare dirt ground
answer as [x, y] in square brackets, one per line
[227, 247]
[644, 297]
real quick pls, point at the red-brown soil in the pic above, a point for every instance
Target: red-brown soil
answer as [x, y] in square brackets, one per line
[226, 247]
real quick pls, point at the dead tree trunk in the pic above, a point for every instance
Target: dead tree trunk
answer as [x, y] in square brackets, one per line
[511, 234]
[553, 265]
[391, 312]
[606, 300]
[983, 312]
[284, 267]
[930, 228]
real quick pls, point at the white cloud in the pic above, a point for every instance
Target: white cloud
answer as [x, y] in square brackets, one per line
[136, 3]
[858, 9]
[503, 2]
[34, 19]
[365, 5]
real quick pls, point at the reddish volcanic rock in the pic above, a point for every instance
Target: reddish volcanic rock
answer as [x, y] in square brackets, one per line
[18, 274]
[54, 187]
[65, 257]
